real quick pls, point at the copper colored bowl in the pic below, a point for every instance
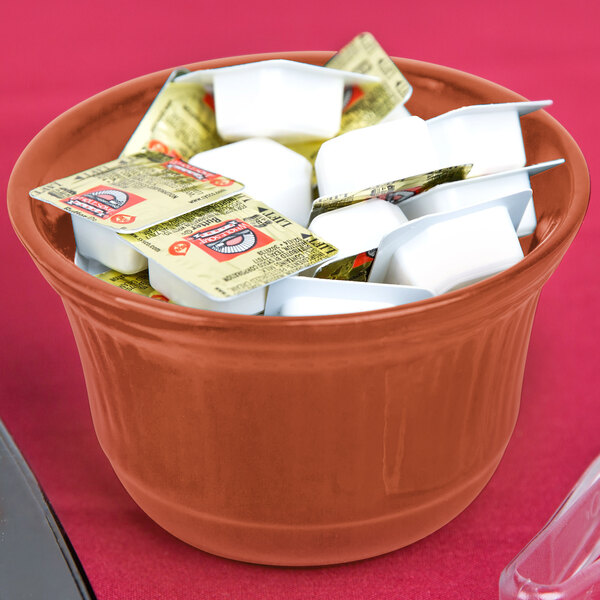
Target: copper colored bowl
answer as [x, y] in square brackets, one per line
[300, 441]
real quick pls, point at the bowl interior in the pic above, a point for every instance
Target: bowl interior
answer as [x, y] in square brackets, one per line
[96, 130]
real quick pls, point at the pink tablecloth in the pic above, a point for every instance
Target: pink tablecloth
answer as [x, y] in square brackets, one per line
[57, 54]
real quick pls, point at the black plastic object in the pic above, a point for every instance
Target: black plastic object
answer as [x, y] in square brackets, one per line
[37, 560]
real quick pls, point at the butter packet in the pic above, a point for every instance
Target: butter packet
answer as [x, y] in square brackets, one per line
[369, 104]
[349, 268]
[231, 247]
[395, 191]
[180, 121]
[134, 192]
[138, 283]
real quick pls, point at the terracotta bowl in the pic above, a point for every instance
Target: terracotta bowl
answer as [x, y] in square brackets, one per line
[300, 441]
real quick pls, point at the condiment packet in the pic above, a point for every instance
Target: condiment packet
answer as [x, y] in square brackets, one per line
[285, 100]
[231, 247]
[395, 192]
[474, 190]
[445, 251]
[349, 268]
[180, 121]
[303, 296]
[366, 105]
[137, 283]
[364, 55]
[134, 192]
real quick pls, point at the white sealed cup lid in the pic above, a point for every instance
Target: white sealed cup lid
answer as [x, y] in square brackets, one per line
[358, 227]
[475, 190]
[373, 155]
[488, 136]
[304, 296]
[449, 250]
[282, 99]
[270, 172]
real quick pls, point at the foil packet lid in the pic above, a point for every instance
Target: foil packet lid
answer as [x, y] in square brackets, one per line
[138, 283]
[232, 247]
[348, 268]
[180, 121]
[395, 192]
[365, 105]
[137, 191]
[364, 55]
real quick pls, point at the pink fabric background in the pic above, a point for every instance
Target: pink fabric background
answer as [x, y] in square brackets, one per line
[56, 54]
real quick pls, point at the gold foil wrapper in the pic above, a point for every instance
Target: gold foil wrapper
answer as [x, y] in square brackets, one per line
[395, 191]
[136, 191]
[370, 104]
[232, 247]
[350, 268]
[180, 121]
[138, 283]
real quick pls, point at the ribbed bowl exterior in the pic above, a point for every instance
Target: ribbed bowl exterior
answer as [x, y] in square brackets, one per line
[300, 441]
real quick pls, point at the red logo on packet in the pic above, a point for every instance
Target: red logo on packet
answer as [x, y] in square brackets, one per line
[362, 258]
[351, 96]
[159, 297]
[157, 146]
[180, 166]
[209, 100]
[401, 195]
[229, 239]
[122, 219]
[103, 202]
[179, 248]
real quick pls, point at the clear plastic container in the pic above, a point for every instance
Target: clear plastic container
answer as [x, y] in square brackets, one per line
[561, 561]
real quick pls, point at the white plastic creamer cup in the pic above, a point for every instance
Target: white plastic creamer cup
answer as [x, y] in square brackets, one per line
[447, 251]
[488, 136]
[358, 227]
[101, 244]
[303, 296]
[398, 112]
[180, 292]
[89, 265]
[475, 190]
[281, 99]
[372, 155]
[269, 171]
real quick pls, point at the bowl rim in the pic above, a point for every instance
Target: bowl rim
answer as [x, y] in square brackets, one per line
[513, 281]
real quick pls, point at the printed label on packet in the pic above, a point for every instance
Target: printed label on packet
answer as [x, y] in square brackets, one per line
[395, 192]
[180, 121]
[369, 104]
[232, 247]
[350, 268]
[138, 283]
[137, 191]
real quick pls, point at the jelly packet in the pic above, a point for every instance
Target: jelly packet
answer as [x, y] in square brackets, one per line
[231, 247]
[138, 283]
[394, 191]
[150, 186]
[180, 121]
